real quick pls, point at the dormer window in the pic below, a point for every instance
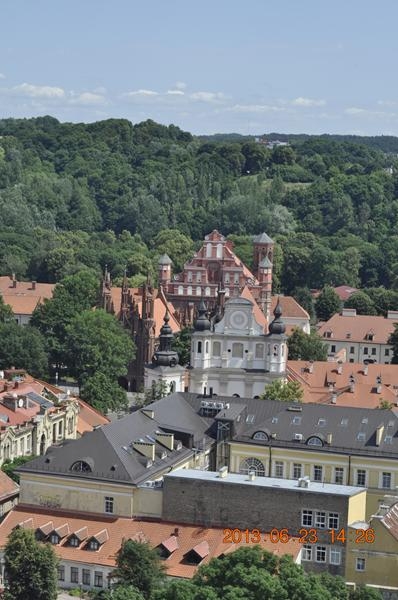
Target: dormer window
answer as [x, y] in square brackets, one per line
[314, 441]
[93, 545]
[81, 466]
[54, 538]
[328, 334]
[73, 541]
[261, 436]
[370, 336]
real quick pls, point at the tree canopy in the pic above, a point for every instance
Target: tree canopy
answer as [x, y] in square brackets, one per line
[290, 391]
[304, 346]
[138, 565]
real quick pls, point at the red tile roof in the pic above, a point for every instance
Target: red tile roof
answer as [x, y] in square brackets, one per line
[290, 307]
[206, 541]
[355, 328]
[8, 487]
[26, 295]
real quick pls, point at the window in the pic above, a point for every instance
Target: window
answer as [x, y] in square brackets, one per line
[59, 427]
[297, 470]
[314, 441]
[333, 348]
[335, 556]
[260, 435]
[296, 420]
[388, 439]
[189, 290]
[207, 291]
[61, 573]
[386, 352]
[208, 250]
[237, 350]
[74, 575]
[333, 520]
[344, 422]
[339, 475]
[54, 539]
[278, 469]
[198, 277]
[216, 348]
[352, 350]
[73, 541]
[189, 276]
[198, 291]
[361, 477]
[366, 350]
[226, 278]
[306, 517]
[361, 437]
[219, 250]
[373, 351]
[318, 473]
[252, 464]
[180, 290]
[321, 422]
[21, 445]
[236, 278]
[86, 577]
[360, 564]
[327, 334]
[108, 504]
[320, 519]
[80, 466]
[93, 544]
[306, 553]
[386, 480]
[199, 347]
[320, 554]
[259, 350]
[98, 579]
[207, 348]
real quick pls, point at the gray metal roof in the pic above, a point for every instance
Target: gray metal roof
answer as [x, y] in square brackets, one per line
[40, 399]
[262, 238]
[165, 260]
[267, 482]
[265, 263]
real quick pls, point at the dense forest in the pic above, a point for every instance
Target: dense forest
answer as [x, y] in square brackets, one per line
[79, 196]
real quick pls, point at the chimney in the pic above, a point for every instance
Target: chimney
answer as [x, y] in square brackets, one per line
[329, 438]
[33, 287]
[311, 367]
[176, 531]
[223, 472]
[145, 448]
[379, 434]
[349, 312]
[334, 398]
[339, 368]
[392, 314]
[365, 369]
[165, 439]
[252, 475]
[378, 384]
[14, 281]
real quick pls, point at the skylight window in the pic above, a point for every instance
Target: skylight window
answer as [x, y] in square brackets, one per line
[321, 422]
[274, 419]
[361, 437]
[364, 421]
[344, 422]
[250, 418]
[296, 420]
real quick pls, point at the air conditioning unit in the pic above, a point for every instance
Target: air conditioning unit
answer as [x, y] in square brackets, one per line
[204, 404]
[220, 405]
[148, 484]
[298, 437]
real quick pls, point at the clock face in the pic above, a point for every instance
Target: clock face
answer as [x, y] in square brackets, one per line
[239, 320]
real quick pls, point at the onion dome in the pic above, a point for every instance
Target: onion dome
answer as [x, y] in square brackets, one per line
[164, 355]
[277, 326]
[202, 322]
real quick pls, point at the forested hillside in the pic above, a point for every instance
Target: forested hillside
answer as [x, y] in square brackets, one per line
[76, 196]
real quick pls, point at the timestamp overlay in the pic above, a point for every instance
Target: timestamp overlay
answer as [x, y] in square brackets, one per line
[304, 536]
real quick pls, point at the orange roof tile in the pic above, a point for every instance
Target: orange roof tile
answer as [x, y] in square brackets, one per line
[355, 328]
[189, 537]
[8, 487]
[24, 297]
[290, 307]
[258, 313]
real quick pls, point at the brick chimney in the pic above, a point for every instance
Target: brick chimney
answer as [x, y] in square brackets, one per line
[33, 285]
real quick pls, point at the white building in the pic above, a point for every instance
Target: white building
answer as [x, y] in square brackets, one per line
[234, 357]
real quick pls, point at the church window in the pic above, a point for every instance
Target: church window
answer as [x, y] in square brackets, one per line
[259, 350]
[189, 290]
[189, 276]
[81, 466]
[207, 348]
[236, 278]
[219, 250]
[198, 277]
[180, 290]
[198, 291]
[208, 250]
[216, 348]
[199, 347]
[226, 278]
[237, 350]
[250, 465]
[207, 291]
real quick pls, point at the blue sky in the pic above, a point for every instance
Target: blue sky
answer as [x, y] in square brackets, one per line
[292, 66]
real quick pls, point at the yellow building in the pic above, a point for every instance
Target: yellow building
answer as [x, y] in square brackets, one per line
[372, 550]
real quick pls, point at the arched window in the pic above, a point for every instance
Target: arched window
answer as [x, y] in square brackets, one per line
[208, 250]
[260, 435]
[219, 250]
[207, 348]
[180, 290]
[81, 466]
[226, 278]
[198, 291]
[216, 348]
[172, 386]
[227, 292]
[207, 291]
[252, 464]
[237, 350]
[314, 441]
[275, 350]
[235, 396]
[199, 347]
[189, 290]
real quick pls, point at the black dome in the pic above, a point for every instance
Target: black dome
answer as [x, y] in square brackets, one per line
[202, 322]
[277, 326]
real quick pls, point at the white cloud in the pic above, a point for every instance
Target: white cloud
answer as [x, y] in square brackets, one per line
[100, 90]
[175, 93]
[141, 93]
[180, 85]
[208, 96]
[88, 99]
[355, 111]
[307, 102]
[256, 108]
[387, 103]
[39, 91]
[2, 76]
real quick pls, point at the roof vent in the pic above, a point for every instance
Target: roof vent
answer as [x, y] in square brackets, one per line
[298, 437]
[303, 482]
[252, 475]
[223, 472]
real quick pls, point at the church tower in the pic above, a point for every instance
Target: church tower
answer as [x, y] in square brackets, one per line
[276, 344]
[164, 269]
[165, 368]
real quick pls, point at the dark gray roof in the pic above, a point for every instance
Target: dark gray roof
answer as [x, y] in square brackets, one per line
[265, 262]
[165, 260]
[40, 400]
[109, 453]
[262, 238]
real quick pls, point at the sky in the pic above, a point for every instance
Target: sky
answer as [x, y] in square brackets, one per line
[208, 66]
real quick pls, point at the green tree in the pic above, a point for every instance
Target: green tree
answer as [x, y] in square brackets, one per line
[23, 348]
[291, 391]
[6, 313]
[182, 345]
[327, 304]
[393, 340]
[362, 303]
[103, 393]
[303, 296]
[365, 593]
[31, 568]
[177, 245]
[122, 592]
[304, 346]
[139, 565]
[9, 466]
[97, 343]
